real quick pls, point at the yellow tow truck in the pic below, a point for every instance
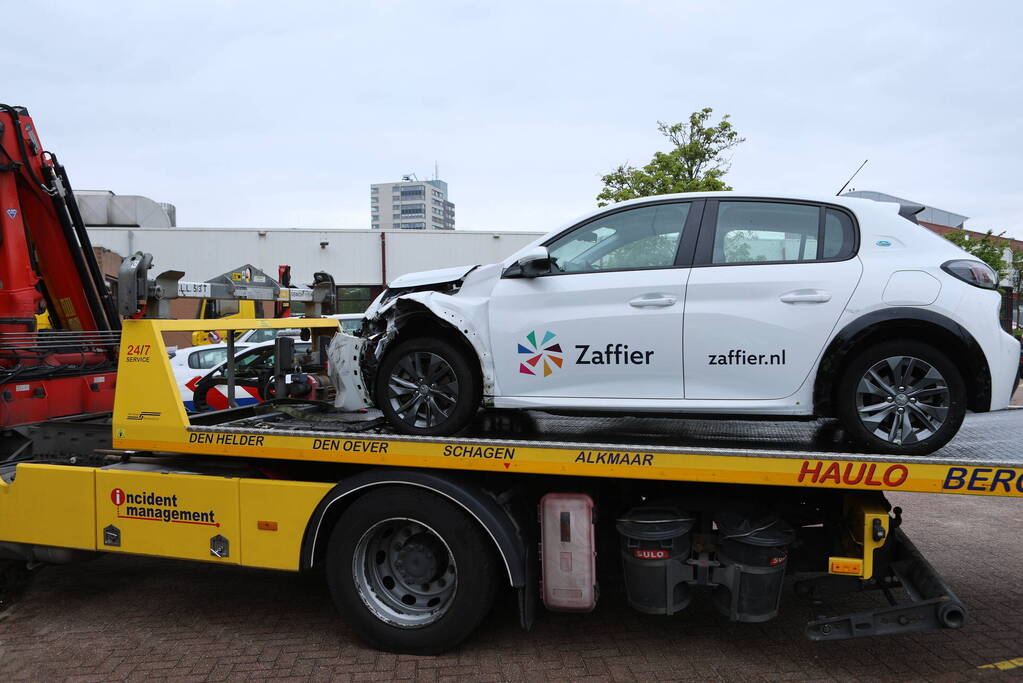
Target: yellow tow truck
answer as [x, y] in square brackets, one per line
[418, 535]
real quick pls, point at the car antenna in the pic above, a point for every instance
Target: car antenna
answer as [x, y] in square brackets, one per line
[852, 176]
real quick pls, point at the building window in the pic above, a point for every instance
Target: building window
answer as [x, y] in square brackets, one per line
[413, 211]
[376, 226]
[354, 299]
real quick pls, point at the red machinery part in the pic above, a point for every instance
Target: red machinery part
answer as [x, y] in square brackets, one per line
[47, 264]
[38, 400]
[36, 223]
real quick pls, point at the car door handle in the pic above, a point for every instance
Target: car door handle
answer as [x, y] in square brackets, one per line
[655, 301]
[806, 296]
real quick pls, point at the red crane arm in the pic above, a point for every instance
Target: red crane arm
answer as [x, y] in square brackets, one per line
[43, 239]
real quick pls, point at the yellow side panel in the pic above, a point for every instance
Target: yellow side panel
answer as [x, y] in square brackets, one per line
[170, 515]
[274, 517]
[49, 505]
[147, 397]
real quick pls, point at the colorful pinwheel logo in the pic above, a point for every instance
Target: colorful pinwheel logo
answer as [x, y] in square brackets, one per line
[543, 355]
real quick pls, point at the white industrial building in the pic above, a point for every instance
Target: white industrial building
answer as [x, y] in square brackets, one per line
[361, 261]
[353, 257]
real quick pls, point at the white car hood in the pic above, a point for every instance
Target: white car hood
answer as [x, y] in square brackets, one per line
[430, 277]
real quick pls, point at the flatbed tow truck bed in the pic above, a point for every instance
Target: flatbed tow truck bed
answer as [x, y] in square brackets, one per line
[985, 458]
[290, 485]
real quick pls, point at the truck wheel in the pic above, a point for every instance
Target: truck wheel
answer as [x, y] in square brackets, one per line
[902, 397]
[410, 571]
[426, 386]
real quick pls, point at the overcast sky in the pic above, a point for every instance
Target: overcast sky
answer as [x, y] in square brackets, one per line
[280, 114]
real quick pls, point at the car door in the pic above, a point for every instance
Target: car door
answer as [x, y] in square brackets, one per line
[606, 321]
[769, 283]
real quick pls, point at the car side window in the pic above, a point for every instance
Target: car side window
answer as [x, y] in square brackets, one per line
[645, 237]
[751, 232]
[262, 359]
[206, 360]
[258, 336]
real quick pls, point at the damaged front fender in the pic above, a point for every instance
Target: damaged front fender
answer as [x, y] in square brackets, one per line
[464, 315]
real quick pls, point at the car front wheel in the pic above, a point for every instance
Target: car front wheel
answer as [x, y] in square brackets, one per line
[902, 398]
[426, 386]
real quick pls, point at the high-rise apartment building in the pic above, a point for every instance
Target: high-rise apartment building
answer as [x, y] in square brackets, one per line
[411, 205]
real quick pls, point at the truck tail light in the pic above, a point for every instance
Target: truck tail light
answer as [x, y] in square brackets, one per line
[976, 273]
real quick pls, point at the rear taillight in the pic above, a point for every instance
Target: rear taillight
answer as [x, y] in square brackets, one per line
[976, 273]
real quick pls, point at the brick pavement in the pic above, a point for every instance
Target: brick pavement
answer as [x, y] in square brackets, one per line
[122, 618]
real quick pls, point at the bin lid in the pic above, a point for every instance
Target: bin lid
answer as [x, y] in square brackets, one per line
[654, 523]
[765, 531]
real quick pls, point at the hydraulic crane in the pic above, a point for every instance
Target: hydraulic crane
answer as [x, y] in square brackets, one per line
[47, 265]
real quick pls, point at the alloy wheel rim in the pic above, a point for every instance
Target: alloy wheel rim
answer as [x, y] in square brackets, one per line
[404, 573]
[903, 400]
[422, 389]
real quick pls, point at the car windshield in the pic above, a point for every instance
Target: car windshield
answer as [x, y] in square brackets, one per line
[256, 360]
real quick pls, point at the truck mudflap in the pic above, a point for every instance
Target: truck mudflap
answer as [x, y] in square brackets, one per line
[928, 602]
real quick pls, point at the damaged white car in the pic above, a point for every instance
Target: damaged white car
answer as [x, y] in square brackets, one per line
[697, 305]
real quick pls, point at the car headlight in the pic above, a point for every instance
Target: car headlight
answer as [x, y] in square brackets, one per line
[976, 273]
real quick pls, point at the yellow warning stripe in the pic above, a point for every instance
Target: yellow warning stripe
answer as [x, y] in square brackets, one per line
[564, 459]
[1004, 665]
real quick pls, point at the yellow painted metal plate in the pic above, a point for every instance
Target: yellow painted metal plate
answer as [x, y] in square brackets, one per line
[523, 457]
[170, 515]
[49, 505]
[282, 509]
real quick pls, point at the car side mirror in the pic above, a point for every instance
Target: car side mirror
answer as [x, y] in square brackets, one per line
[536, 261]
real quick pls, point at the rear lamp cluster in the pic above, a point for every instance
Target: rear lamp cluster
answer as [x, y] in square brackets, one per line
[976, 273]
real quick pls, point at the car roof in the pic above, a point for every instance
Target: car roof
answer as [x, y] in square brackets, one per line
[857, 204]
[202, 347]
[882, 211]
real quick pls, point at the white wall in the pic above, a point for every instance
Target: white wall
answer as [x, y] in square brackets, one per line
[353, 257]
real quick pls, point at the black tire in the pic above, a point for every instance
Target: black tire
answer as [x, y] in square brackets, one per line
[930, 437]
[472, 570]
[466, 391]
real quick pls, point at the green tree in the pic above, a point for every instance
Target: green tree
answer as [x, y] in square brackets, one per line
[693, 164]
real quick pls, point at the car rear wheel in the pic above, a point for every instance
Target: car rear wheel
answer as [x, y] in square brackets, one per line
[902, 397]
[426, 386]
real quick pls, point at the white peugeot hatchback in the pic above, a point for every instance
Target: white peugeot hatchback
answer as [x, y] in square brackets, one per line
[705, 304]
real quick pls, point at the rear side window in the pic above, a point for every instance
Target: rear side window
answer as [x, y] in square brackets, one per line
[206, 360]
[839, 235]
[258, 336]
[779, 232]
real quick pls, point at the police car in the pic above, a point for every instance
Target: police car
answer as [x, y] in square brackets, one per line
[706, 304]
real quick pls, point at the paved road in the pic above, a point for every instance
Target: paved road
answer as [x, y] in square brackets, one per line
[139, 618]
